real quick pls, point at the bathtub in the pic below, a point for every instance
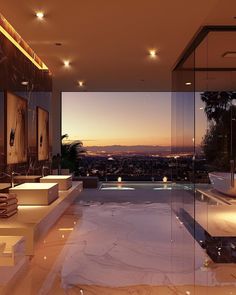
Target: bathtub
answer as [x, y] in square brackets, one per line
[221, 181]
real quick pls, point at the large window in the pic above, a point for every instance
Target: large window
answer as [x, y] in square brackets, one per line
[119, 133]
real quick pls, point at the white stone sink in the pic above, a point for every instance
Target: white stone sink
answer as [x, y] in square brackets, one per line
[35, 193]
[64, 181]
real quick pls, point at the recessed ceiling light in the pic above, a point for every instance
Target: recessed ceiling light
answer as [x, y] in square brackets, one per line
[81, 83]
[229, 54]
[66, 63]
[40, 15]
[153, 53]
[188, 83]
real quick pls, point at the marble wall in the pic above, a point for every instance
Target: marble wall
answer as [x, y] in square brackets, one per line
[15, 69]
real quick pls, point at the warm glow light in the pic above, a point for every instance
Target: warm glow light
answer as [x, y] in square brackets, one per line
[119, 179]
[40, 15]
[152, 53]
[66, 229]
[30, 207]
[226, 217]
[188, 83]
[81, 83]
[164, 179]
[66, 63]
[18, 46]
[25, 83]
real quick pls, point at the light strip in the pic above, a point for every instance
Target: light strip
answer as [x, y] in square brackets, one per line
[13, 41]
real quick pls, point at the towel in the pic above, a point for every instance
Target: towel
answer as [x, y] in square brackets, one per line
[6, 215]
[8, 202]
[7, 209]
[4, 197]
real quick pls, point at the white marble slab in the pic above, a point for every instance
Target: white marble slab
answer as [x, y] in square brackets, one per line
[33, 222]
[218, 219]
[131, 244]
[14, 250]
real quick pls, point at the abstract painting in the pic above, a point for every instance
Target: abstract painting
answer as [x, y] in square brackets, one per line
[16, 129]
[42, 134]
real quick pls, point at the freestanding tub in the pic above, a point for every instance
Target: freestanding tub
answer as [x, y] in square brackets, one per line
[221, 181]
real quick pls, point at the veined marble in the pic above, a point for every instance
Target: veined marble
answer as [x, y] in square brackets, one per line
[96, 243]
[132, 244]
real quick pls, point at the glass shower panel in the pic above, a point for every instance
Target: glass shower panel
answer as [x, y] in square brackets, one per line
[215, 115]
[182, 204]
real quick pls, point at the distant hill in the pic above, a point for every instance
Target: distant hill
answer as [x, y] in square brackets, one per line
[129, 149]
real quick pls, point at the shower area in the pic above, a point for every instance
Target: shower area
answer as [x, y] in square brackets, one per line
[204, 132]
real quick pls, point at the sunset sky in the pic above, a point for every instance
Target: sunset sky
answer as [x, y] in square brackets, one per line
[123, 118]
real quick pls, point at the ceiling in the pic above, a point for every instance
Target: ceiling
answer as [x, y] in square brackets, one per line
[210, 52]
[107, 42]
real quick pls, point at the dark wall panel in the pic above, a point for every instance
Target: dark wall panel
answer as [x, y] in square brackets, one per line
[15, 69]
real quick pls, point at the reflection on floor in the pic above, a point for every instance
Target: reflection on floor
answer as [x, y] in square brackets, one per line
[220, 249]
[128, 244]
[214, 227]
[122, 248]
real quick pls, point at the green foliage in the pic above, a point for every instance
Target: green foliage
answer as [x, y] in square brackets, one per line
[220, 137]
[217, 104]
[70, 153]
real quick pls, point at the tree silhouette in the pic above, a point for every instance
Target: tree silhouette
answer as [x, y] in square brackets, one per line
[219, 141]
[70, 153]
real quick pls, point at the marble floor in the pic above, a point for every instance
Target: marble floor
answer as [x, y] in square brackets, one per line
[137, 247]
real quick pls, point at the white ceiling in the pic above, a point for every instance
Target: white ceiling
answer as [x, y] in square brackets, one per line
[107, 41]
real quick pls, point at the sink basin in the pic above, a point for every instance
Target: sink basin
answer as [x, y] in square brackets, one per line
[64, 181]
[35, 193]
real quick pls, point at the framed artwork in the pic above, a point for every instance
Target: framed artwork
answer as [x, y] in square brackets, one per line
[16, 128]
[42, 134]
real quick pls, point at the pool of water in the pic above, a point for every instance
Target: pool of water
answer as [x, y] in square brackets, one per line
[156, 186]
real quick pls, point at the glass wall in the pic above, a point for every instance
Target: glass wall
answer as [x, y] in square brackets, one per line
[183, 150]
[203, 144]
